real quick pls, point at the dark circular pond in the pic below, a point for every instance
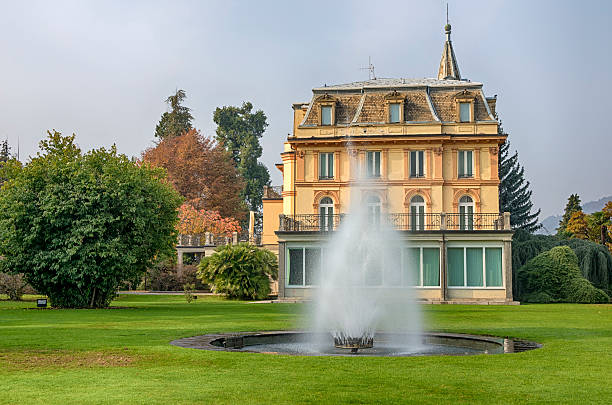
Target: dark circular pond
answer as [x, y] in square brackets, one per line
[385, 344]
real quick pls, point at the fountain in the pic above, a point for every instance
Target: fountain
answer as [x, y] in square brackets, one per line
[363, 287]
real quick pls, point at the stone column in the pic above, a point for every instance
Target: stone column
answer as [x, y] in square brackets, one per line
[179, 261]
[207, 240]
[281, 270]
[234, 238]
[443, 278]
[508, 268]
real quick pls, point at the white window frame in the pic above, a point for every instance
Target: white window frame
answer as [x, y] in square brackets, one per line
[465, 245]
[326, 157]
[465, 164]
[372, 154]
[399, 112]
[416, 205]
[418, 156]
[405, 259]
[325, 217]
[469, 111]
[288, 263]
[331, 115]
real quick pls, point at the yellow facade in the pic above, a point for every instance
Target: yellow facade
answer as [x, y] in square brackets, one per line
[400, 141]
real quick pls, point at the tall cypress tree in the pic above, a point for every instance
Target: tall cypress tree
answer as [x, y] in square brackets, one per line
[573, 205]
[514, 192]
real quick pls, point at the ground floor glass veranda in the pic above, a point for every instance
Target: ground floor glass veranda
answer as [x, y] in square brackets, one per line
[440, 268]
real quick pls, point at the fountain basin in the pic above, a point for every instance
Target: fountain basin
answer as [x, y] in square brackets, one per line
[384, 344]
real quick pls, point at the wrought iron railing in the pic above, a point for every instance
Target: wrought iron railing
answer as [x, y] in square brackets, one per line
[398, 221]
[474, 222]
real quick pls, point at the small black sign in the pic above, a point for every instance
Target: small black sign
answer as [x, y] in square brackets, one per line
[41, 303]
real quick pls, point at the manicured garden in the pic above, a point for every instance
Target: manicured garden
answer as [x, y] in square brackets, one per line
[122, 355]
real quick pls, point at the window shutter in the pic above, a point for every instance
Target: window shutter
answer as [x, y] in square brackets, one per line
[377, 163]
[413, 172]
[461, 164]
[330, 165]
[421, 171]
[322, 165]
[469, 163]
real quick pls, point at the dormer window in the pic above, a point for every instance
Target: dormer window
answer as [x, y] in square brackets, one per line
[394, 112]
[465, 112]
[326, 115]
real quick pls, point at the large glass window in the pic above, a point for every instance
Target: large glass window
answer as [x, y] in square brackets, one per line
[417, 166]
[304, 266]
[465, 163]
[493, 260]
[455, 264]
[422, 266]
[473, 261]
[326, 166]
[326, 115]
[373, 163]
[464, 112]
[394, 112]
[474, 267]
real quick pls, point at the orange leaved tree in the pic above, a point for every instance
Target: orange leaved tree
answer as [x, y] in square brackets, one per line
[202, 172]
[193, 221]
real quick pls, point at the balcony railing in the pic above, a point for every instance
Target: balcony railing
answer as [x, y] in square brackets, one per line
[400, 222]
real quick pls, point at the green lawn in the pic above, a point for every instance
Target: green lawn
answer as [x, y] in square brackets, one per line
[122, 356]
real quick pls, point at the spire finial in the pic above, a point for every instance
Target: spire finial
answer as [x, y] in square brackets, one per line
[449, 68]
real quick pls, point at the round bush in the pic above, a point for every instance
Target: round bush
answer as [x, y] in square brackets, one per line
[539, 297]
[240, 271]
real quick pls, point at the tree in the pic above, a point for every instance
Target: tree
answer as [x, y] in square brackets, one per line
[8, 163]
[177, 121]
[202, 172]
[573, 205]
[5, 151]
[193, 221]
[240, 271]
[238, 131]
[514, 192]
[577, 225]
[79, 225]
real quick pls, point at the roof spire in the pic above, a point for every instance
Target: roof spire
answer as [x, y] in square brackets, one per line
[449, 69]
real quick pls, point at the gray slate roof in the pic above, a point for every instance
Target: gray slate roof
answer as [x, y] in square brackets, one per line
[397, 83]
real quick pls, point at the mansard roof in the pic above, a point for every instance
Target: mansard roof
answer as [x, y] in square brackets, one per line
[425, 100]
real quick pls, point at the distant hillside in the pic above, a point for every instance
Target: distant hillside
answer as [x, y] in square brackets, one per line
[551, 223]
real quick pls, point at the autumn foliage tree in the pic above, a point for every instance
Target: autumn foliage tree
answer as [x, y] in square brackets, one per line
[202, 172]
[193, 221]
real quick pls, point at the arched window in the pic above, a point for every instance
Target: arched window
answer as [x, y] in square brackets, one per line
[417, 213]
[374, 208]
[326, 212]
[466, 213]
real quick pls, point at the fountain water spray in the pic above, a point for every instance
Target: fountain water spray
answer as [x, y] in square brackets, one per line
[363, 287]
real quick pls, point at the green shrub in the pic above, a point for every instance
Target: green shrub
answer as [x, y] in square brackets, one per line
[554, 276]
[539, 297]
[594, 260]
[580, 290]
[79, 225]
[240, 271]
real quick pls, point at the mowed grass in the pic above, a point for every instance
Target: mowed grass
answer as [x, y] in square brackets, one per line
[123, 356]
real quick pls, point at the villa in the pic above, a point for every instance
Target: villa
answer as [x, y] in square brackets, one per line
[427, 153]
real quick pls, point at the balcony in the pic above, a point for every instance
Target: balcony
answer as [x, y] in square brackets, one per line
[273, 192]
[401, 222]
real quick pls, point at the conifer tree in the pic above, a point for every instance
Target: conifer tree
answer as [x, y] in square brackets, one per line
[573, 205]
[514, 192]
[177, 120]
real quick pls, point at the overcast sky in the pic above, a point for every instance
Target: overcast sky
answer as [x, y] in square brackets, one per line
[102, 70]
